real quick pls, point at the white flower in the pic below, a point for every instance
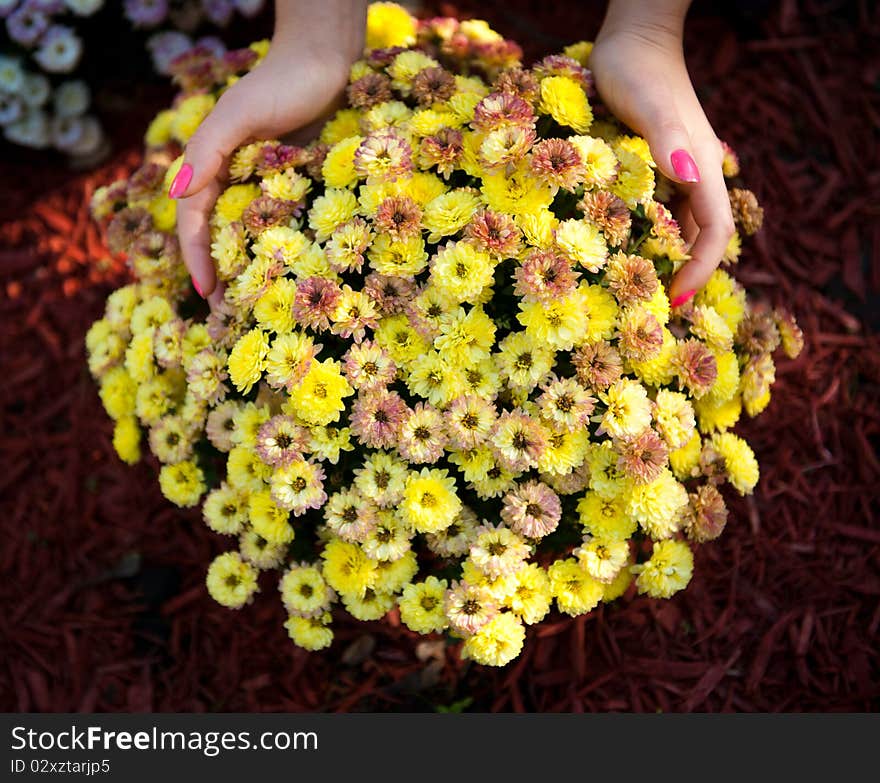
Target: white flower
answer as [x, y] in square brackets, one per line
[91, 139]
[11, 108]
[84, 7]
[71, 98]
[248, 7]
[165, 47]
[32, 130]
[11, 75]
[66, 132]
[59, 51]
[36, 90]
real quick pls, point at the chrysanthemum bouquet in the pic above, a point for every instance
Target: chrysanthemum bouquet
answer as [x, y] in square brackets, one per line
[448, 381]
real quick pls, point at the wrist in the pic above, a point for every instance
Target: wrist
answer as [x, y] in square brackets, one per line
[659, 23]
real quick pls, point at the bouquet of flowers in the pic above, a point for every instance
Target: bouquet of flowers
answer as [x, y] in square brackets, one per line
[446, 379]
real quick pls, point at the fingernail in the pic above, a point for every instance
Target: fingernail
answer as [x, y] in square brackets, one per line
[684, 167]
[181, 181]
[682, 298]
[197, 287]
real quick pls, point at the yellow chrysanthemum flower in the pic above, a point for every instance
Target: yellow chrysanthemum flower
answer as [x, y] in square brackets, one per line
[247, 359]
[183, 483]
[566, 102]
[430, 502]
[310, 633]
[188, 115]
[388, 24]
[575, 591]
[739, 461]
[421, 606]
[231, 581]
[127, 439]
[319, 398]
[668, 571]
[498, 642]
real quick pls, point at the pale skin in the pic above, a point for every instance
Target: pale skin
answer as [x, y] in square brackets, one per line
[637, 61]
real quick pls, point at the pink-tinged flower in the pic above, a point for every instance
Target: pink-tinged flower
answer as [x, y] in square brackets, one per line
[518, 441]
[127, 225]
[469, 607]
[433, 85]
[154, 245]
[281, 440]
[145, 182]
[495, 56]
[730, 164]
[500, 109]
[370, 90]
[641, 335]
[695, 366]
[315, 160]
[264, 212]
[346, 247]
[518, 82]
[598, 365]
[26, 25]
[220, 425]
[498, 551]
[561, 65]
[299, 486]
[391, 294]
[398, 216]
[315, 302]
[470, 420]
[506, 145]
[569, 483]
[494, 233]
[237, 61]
[443, 150]
[376, 417]
[557, 162]
[706, 517]
[532, 509]
[354, 314]
[566, 403]
[545, 276]
[368, 366]
[663, 225]
[610, 213]
[757, 333]
[379, 58]
[350, 515]
[642, 458]
[631, 278]
[205, 376]
[274, 156]
[195, 69]
[790, 334]
[422, 436]
[384, 155]
[146, 13]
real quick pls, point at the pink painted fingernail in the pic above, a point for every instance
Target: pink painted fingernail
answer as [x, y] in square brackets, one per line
[197, 287]
[684, 167]
[682, 298]
[181, 181]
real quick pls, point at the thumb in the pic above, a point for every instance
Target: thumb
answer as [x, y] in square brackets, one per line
[667, 136]
[224, 129]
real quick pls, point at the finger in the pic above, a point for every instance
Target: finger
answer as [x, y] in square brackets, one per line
[224, 129]
[193, 232]
[685, 218]
[661, 123]
[710, 207]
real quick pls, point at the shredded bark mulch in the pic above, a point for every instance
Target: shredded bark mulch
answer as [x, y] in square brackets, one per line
[103, 604]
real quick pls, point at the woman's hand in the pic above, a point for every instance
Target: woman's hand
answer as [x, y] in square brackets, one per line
[298, 83]
[641, 75]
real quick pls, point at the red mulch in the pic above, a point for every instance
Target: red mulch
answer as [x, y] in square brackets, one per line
[103, 603]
